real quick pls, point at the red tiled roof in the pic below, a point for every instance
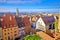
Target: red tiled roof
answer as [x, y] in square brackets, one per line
[26, 21]
[7, 22]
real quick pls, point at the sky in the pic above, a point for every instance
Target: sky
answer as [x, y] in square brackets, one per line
[30, 5]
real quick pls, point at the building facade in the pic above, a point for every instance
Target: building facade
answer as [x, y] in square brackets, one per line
[9, 27]
[21, 26]
[45, 23]
[26, 21]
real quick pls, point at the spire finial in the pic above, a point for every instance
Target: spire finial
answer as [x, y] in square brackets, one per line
[17, 12]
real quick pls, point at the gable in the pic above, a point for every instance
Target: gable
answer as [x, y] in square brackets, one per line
[40, 21]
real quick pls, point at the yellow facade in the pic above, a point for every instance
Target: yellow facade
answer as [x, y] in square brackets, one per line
[0, 33]
[34, 18]
[15, 31]
[4, 34]
[10, 33]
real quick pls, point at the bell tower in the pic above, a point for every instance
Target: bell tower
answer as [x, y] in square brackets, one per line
[17, 12]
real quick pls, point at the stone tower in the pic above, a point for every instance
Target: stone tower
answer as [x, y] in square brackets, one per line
[17, 12]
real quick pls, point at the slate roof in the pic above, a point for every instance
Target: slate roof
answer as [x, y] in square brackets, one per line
[48, 19]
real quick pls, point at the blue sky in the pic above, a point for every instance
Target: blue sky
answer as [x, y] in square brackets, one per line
[30, 5]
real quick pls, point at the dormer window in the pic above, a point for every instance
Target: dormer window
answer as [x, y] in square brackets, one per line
[14, 25]
[4, 26]
[1, 19]
[10, 25]
[10, 18]
[4, 15]
[14, 16]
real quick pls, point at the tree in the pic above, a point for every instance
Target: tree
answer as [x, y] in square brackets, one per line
[32, 37]
[56, 25]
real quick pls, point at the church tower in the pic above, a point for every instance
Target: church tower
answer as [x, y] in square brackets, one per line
[17, 12]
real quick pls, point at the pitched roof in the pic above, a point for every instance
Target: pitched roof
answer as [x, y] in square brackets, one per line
[48, 19]
[7, 22]
[26, 21]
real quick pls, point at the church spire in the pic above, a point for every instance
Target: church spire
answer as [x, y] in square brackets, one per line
[17, 12]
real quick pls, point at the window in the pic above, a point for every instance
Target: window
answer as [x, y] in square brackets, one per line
[11, 32]
[4, 26]
[8, 33]
[14, 25]
[14, 28]
[15, 35]
[11, 29]
[5, 37]
[8, 29]
[5, 33]
[10, 25]
[15, 31]
[8, 38]
[1, 19]
[50, 26]
[4, 30]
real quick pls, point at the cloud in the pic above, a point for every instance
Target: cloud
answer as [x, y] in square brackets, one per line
[19, 1]
[2, 0]
[13, 9]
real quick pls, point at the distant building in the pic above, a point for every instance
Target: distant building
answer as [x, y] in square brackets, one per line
[21, 26]
[26, 21]
[20, 23]
[17, 12]
[45, 23]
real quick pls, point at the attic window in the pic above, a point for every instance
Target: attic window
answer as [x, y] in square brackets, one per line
[4, 15]
[1, 19]
[10, 25]
[14, 25]
[10, 18]
[14, 16]
[4, 26]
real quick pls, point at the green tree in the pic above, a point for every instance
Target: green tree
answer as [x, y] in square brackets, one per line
[32, 37]
[56, 25]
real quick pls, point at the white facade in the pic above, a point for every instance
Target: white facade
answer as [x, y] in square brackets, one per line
[40, 25]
